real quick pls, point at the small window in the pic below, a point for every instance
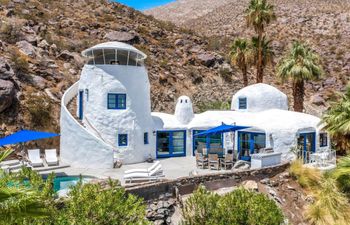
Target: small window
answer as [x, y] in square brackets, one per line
[116, 101]
[109, 56]
[122, 140]
[145, 138]
[323, 140]
[242, 103]
[132, 59]
[122, 57]
[98, 56]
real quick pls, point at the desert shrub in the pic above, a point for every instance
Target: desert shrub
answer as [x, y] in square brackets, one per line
[342, 175]
[306, 177]
[39, 108]
[225, 74]
[330, 206]
[19, 61]
[94, 204]
[239, 207]
[213, 105]
[10, 32]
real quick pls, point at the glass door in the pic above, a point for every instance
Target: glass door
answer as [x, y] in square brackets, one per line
[250, 143]
[171, 143]
[81, 101]
[306, 143]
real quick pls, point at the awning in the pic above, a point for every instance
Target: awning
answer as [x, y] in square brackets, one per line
[24, 136]
[221, 129]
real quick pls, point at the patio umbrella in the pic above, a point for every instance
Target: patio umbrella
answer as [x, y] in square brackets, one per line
[24, 136]
[221, 129]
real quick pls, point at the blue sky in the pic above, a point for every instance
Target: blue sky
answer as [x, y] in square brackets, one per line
[144, 4]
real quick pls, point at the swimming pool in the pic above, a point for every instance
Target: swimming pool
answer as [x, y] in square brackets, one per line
[65, 182]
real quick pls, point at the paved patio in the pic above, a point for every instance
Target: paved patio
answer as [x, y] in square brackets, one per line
[173, 168]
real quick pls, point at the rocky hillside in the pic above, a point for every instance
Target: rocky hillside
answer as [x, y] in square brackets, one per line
[40, 45]
[324, 24]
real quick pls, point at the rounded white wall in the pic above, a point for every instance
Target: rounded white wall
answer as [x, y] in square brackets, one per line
[260, 97]
[106, 123]
[184, 110]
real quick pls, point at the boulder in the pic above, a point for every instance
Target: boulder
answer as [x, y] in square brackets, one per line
[66, 55]
[122, 37]
[26, 48]
[241, 165]
[39, 82]
[317, 100]
[250, 185]
[7, 94]
[207, 59]
[6, 71]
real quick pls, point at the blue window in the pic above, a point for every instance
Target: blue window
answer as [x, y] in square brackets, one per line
[323, 140]
[242, 103]
[122, 140]
[145, 138]
[116, 101]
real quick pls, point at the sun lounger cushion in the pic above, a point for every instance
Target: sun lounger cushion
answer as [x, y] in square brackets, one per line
[34, 157]
[51, 157]
[143, 170]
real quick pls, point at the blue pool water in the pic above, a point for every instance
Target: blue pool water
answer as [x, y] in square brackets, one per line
[144, 4]
[63, 183]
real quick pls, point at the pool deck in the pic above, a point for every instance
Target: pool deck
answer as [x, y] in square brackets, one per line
[173, 168]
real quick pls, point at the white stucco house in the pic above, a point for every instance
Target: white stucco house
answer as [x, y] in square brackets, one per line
[114, 121]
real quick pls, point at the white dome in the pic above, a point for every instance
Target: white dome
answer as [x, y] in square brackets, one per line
[259, 97]
[184, 110]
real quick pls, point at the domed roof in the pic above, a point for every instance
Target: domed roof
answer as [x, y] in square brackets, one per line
[114, 45]
[259, 97]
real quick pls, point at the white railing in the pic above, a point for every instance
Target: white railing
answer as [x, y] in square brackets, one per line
[323, 160]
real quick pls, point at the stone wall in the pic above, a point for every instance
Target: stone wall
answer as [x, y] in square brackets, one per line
[187, 185]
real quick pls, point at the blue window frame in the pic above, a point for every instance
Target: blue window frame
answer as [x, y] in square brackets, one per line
[116, 101]
[242, 103]
[250, 143]
[323, 140]
[306, 143]
[207, 140]
[171, 143]
[145, 138]
[122, 140]
[81, 104]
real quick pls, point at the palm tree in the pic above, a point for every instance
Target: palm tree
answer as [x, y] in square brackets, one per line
[258, 15]
[300, 65]
[337, 121]
[240, 53]
[263, 50]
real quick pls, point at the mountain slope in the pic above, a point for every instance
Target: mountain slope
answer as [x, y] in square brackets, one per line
[40, 57]
[324, 24]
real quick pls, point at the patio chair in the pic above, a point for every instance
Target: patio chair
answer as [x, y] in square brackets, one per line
[153, 175]
[149, 169]
[227, 161]
[51, 157]
[201, 161]
[34, 158]
[213, 160]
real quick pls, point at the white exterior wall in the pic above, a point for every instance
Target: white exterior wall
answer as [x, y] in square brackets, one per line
[79, 147]
[135, 120]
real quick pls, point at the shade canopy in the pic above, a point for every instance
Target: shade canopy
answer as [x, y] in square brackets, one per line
[24, 136]
[221, 129]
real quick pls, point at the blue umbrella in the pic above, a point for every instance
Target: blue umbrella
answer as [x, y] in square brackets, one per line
[24, 136]
[221, 129]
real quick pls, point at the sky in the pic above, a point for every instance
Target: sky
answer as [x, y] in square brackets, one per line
[144, 4]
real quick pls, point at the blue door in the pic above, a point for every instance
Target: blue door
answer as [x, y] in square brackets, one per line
[250, 143]
[81, 100]
[171, 143]
[306, 142]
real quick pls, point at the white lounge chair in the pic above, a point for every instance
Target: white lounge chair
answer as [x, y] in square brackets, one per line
[143, 170]
[34, 157]
[155, 174]
[51, 157]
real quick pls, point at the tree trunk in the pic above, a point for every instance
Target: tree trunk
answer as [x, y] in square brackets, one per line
[298, 95]
[259, 74]
[245, 75]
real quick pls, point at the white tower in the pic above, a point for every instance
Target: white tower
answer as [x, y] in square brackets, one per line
[114, 100]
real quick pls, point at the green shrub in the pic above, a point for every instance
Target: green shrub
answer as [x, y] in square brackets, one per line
[240, 207]
[10, 32]
[39, 108]
[213, 105]
[342, 175]
[94, 204]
